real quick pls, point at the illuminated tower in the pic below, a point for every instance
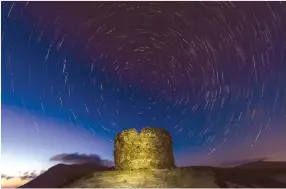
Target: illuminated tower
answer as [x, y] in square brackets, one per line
[145, 160]
[152, 148]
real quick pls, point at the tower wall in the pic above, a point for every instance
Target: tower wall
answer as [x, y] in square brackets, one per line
[152, 148]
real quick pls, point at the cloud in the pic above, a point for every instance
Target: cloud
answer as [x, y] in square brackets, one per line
[7, 177]
[76, 158]
[29, 175]
[3, 176]
[26, 176]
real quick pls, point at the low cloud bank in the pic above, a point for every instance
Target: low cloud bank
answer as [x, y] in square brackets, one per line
[76, 158]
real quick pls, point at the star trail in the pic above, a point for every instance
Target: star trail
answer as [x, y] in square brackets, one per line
[211, 73]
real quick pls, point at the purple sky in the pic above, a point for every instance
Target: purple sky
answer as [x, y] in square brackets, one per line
[212, 74]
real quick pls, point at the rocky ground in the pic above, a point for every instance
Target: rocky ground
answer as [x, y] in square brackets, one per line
[164, 178]
[254, 175]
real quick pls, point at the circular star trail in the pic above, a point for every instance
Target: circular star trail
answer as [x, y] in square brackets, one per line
[209, 72]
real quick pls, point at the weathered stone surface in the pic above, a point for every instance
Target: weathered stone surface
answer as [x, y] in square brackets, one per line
[152, 148]
[161, 178]
[86, 175]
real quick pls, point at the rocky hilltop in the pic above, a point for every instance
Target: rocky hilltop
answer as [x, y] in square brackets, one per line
[145, 160]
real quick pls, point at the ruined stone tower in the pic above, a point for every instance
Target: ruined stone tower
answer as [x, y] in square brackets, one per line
[152, 148]
[145, 160]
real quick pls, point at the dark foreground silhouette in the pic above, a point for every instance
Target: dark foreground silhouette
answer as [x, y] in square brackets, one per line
[60, 175]
[256, 174]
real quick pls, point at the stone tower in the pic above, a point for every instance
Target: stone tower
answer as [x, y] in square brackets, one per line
[152, 148]
[145, 160]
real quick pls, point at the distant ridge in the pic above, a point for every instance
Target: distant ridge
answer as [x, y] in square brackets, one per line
[264, 165]
[61, 174]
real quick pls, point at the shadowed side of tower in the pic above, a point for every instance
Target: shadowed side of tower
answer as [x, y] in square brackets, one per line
[152, 148]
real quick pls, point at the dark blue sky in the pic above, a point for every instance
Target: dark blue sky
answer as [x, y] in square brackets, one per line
[212, 74]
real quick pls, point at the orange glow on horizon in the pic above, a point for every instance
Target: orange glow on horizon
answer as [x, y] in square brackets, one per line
[12, 183]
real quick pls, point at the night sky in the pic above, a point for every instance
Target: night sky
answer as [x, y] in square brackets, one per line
[76, 73]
